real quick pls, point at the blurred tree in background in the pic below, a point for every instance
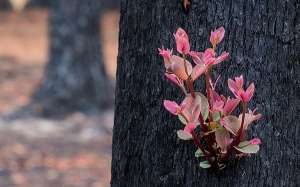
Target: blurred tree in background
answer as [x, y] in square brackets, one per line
[105, 4]
[263, 39]
[40, 3]
[75, 77]
[4, 4]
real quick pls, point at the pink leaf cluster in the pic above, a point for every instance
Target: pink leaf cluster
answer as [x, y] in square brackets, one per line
[208, 117]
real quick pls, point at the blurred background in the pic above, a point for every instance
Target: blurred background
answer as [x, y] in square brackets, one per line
[57, 74]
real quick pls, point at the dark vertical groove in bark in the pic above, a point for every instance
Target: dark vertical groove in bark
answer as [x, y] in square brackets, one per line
[75, 76]
[263, 38]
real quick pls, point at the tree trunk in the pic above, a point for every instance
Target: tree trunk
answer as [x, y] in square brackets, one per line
[39, 3]
[4, 5]
[263, 38]
[106, 4]
[75, 76]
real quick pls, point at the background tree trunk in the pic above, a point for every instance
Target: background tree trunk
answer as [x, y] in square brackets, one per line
[39, 3]
[263, 38]
[106, 4]
[75, 76]
[4, 5]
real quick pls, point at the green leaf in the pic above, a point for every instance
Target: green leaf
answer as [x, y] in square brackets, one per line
[216, 116]
[243, 144]
[184, 135]
[204, 106]
[182, 119]
[249, 149]
[199, 153]
[205, 164]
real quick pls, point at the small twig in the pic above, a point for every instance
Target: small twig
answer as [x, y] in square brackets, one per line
[208, 89]
[237, 140]
[186, 4]
[189, 80]
[241, 130]
[207, 139]
[209, 132]
[191, 86]
[198, 145]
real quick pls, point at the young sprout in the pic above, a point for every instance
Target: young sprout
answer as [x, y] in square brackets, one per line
[221, 133]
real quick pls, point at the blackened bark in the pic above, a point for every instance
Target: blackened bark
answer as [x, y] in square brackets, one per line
[106, 4]
[263, 38]
[75, 76]
[39, 3]
[4, 5]
[111, 4]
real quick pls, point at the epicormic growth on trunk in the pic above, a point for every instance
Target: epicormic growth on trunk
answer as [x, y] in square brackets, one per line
[208, 119]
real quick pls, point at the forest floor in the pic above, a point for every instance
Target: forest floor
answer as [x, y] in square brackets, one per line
[36, 152]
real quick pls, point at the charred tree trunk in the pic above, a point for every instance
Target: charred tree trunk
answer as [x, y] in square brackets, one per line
[4, 5]
[263, 38]
[39, 3]
[106, 4]
[75, 76]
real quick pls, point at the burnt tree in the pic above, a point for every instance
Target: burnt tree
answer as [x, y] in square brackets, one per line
[263, 38]
[5, 5]
[106, 4]
[75, 76]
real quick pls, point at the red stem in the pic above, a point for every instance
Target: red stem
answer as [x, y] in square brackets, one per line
[201, 120]
[191, 87]
[208, 89]
[207, 85]
[208, 138]
[198, 145]
[237, 140]
[241, 130]
[189, 80]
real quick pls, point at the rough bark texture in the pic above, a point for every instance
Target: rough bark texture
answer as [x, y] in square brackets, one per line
[263, 38]
[75, 76]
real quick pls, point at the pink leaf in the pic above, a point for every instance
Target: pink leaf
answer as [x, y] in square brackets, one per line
[231, 123]
[236, 87]
[249, 118]
[223, 139]
[198, 70]
[221, 58]
[248, 94]
[172, 107]
[190, 127]
[166, 54]
[217, 102]
[233, 87]
[217, 36]
[191, 108]
[197, 57]
[182, 41]
[230, 105]
[174, 79]
[239, 81]
[178, 67]
[255, 141]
